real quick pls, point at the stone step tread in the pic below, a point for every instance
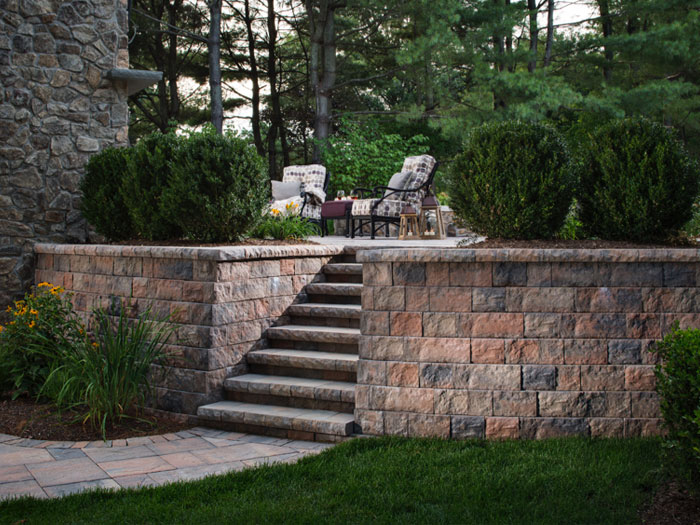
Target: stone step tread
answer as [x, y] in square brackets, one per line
[348, 311]
[343, 268]
[326, 334]
[320, 389]
[352, 289]
[302, 419]
[304, 359]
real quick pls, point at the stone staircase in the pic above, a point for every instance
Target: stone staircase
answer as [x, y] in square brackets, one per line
[303, 385]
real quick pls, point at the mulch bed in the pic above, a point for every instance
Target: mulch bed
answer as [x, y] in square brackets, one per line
[583, 243]
[671, 505]
[28, 419]
[195, 244]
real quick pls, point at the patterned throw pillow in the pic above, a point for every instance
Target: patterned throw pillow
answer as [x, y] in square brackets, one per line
[420, 167]
[312, 176]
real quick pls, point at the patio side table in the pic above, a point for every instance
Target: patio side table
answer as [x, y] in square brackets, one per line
[337, 209]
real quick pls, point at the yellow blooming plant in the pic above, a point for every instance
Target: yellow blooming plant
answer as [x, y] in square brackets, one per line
[42, 326]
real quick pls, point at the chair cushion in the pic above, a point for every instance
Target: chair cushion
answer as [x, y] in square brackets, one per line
[285, 190]
[312, 176]
[386, 208]
[397, 182]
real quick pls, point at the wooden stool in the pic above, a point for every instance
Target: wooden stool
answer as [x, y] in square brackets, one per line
[408, 226]
[430, 203]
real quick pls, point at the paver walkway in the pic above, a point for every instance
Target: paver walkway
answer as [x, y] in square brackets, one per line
[56, 468]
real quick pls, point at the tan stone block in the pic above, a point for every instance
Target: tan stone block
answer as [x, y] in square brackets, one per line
[402, 374]
[309, 265]
[370, 421]
[542, 325]
[487, 377]
[371, 372]
[515, 403]
[471, 274]
[502, 428]
[602, 377]
[287, 267]
[585, 352]
[375, 323]
[608, 404]
[383, 348]
[544, 428]
[270, 268]
[439, 324]
[362, 393]
[423, 425]
[232, 271]
[562, 404]
[534, 351]
[607, 427]
[568, 378]
[643, 326]
[417, 299]
[645, 404]
[406, 324]
[608, 300]
[438, 350]
[491, 325]
[437, 274]
[640, 378]
[367, 298]
[389, 298]
[488, 351]
[600, 325]
[450, 299]
[644, 428]
[377, 274]
[539, 274]
[546, 300]
[403, 399]
[464, 402]
[395, 424]
[662, 300]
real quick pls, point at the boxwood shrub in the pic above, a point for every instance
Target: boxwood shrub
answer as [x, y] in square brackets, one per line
[102, 203]
[147, 176]
[217, 189]
[512, 180]
[637, 182]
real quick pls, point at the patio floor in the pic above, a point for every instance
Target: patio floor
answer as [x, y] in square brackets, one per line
[390, 242]
[56, 468]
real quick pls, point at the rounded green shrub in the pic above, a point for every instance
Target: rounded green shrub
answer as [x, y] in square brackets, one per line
[217, 190]
[512, 180]
[147, 176]
[637, 182]
[102, 203]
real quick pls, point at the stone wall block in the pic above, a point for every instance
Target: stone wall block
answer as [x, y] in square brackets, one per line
[608, 300]
[539, 377]
[491, 325]
[425, 425]
[395, 424]
[568, 377]
[389, 298]
[539, 274]
[624, 352]
[450, 299]
[640, 378]
[510, 274]
[377, 274]
[408, 274]
[437, 375]
[417, 300]
[437, 350]
[370, 421]
[488, 351]
[472, 274]
[645, 404]
[603, 377]
[534, 351]
[487, 377]
[468, 427]
[502, 428]
[372, 373]
[438, 325]
[437, 274]
[607, 427]
[402, 374]
[515, 403]
[544, 428]
[585, 352]
[679, 274]
[488, 299]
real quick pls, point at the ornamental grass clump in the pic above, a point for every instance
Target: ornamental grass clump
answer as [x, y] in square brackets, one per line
[513, 180]
[285, 224]
[42, 329]
[637, 182]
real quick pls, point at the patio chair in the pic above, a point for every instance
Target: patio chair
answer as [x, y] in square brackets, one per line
[406, 188]
[305, 186]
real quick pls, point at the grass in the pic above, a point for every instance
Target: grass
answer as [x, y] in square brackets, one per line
[391, 480]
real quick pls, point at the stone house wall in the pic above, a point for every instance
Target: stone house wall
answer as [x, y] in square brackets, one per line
[56, 109]
[517, 343]
[222, 301]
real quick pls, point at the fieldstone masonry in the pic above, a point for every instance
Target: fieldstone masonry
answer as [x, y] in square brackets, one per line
[517, 343]
[222, 300]
[56, 109]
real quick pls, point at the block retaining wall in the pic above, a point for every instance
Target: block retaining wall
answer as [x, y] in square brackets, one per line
[222, 300]
[517, 343]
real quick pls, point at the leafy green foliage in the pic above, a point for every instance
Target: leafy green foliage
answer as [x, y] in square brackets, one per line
[148, 174]
[284, 227]
[105, 378]
[42, 329]
[678, 384]
[637, 182]
[362, 156]
[512, 180]
[217, 189]
[102, 203]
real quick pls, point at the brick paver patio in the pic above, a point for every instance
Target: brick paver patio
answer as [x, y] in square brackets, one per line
[57, 468]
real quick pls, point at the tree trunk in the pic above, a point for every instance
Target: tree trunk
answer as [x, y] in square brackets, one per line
[275, 119]
[509, 45]
[498, 43]
[534, 30]
[174, 102]
[254, 78]
[606, 21]
[214, 44]
[550, 33]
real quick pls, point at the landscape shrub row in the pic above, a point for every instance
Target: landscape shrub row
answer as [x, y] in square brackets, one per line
[203, 186]
[632, 180]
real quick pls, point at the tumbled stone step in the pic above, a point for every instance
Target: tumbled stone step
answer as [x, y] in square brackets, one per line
[346, 311]
[319, 389]
[350, 289]
[308, 359]
[343, 269]
[299, 419]
[317, 334]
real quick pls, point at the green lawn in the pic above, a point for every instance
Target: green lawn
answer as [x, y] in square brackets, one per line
[391, 480]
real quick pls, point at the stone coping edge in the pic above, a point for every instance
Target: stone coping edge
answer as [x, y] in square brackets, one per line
[447, 255]
[217, 253]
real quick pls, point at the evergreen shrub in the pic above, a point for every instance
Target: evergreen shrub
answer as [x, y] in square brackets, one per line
[147, 176]
[102, 203]
[678, 385]
[217, 190]
[513, 180]
[637, 182]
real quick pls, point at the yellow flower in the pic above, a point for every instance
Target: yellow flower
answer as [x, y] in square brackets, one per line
[9, 309]
[56, 290]
[1, 328]
[32, 324]
[33, 312]
[12, 322]
[275, 211]
[41, 285]
[95, 345]
[81, 331]
[295, 205]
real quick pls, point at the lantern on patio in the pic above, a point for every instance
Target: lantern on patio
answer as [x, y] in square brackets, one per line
[431, 224]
